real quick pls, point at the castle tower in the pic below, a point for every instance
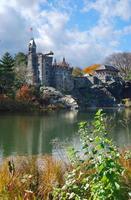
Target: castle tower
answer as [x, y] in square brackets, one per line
[32, 67]
[32, 46]
[64, 62]
[45, 68]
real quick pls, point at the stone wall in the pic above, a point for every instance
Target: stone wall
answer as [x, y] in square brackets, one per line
[45, 69]
[63, 80]
[32, 69]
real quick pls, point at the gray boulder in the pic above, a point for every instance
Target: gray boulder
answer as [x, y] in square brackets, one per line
[70, 102]
[51, 96]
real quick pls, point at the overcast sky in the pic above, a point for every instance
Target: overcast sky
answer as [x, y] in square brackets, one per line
[83, 31]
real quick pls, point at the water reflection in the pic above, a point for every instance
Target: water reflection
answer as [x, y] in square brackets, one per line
[29, 135]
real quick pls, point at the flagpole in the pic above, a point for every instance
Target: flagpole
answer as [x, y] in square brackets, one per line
[31, 32]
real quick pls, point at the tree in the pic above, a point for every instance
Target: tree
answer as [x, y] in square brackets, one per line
[24, 94]
[6, 72]
[91, 69]
[20, 66]
[122, 61]
[77, 72]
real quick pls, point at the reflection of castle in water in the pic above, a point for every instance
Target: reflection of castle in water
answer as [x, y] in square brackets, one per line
[33, 134]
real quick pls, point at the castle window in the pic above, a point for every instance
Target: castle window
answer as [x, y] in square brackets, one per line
[108, 78]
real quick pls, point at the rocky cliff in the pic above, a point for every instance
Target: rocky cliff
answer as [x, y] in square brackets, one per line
[85, 94]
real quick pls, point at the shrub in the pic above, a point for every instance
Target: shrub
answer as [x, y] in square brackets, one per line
[97, 172]
[24, 93]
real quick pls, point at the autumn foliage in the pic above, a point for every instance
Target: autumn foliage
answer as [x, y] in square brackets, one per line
[91, 69]
[24, 93]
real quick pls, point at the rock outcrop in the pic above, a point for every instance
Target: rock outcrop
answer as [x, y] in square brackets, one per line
[107, 94]
[87, 95]
[95, 96]
[127, 90]
[52, 97]
[116, 89]
[69, 102]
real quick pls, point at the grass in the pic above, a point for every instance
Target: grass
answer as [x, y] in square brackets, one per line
[125, 161]
[16, 181]
[30, 178]
[33, 178]
[51, 175]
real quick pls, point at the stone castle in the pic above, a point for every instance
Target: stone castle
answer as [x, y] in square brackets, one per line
[42, 70]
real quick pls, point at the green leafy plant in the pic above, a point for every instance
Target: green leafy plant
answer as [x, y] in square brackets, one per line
[96, 172]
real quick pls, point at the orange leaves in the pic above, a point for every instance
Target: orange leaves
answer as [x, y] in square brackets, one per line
[24, 93]
[91, 69]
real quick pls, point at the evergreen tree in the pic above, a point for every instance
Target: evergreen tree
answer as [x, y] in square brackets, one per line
[6, 72]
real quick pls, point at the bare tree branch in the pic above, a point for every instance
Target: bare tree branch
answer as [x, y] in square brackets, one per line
[122, 61]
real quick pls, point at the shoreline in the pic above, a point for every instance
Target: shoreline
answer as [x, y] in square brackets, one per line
[28, 107]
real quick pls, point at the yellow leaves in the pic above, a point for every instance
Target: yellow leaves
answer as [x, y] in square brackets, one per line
[91, 69]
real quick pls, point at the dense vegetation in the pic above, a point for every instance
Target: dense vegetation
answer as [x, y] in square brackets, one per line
[12, 73]
[99, 172]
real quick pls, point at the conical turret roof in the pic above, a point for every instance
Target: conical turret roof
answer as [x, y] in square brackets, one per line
[32, 42]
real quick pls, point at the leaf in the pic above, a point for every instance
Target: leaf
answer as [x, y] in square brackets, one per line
[117, 186]
[72, 195]
[129, 194]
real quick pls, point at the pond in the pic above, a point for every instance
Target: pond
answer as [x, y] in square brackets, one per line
[31, 134]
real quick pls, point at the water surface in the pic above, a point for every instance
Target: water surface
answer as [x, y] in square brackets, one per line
[25, 134]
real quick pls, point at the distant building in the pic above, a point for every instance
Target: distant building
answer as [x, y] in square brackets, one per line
[106, 73]
[103, 74]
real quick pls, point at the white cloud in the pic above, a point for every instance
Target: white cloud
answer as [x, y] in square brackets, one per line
[51, 28]
[109, 8]
[123, 9]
